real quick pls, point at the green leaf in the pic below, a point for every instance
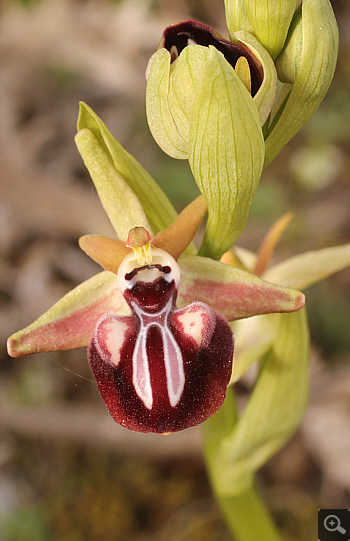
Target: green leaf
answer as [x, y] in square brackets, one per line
[309, 268]
[70, 322]
[233, 292]
[314, 72]
[226, 152]
[119, 201]
[157, 207]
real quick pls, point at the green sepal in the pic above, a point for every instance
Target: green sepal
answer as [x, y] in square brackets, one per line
[169, 136]
[309, 268]
[277, 109]
[157, 207]
[225, 152]
[171, 88]
[119, 201]
[288, 61]
[312, 70]
[70, 322]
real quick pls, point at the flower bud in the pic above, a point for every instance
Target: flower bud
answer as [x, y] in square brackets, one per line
[267, 21]
[287, 63]
[177, 70]
[306, 65]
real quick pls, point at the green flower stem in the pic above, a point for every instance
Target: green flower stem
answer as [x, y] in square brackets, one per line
[247, 516]
[244, 511]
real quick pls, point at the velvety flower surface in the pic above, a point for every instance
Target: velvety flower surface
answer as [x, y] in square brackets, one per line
[160, 369]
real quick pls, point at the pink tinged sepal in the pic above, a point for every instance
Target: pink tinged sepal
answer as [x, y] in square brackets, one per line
[161, 369]
[69, 324]
[235, 293]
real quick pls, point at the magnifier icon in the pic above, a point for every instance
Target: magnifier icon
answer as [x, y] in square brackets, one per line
[332, 524]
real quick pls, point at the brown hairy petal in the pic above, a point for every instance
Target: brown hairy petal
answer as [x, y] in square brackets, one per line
[108, 253]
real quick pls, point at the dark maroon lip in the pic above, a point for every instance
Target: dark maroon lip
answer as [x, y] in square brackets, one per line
[151, 296]
[178, 35]
[150, 345]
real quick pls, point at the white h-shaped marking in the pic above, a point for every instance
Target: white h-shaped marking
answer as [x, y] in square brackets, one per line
[173, 360]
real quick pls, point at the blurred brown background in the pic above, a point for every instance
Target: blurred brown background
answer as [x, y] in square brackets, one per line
[68, 472]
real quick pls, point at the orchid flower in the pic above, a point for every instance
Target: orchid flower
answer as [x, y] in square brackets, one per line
[158, 368]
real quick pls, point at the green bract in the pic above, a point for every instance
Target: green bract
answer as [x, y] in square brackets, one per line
[226, 152]
[237, 445]
[267, 21]
[273, 412]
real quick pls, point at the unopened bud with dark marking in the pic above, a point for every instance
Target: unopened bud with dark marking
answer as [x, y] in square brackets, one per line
[180, 66]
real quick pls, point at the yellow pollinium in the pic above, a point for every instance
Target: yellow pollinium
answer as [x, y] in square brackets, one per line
[143, 254]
